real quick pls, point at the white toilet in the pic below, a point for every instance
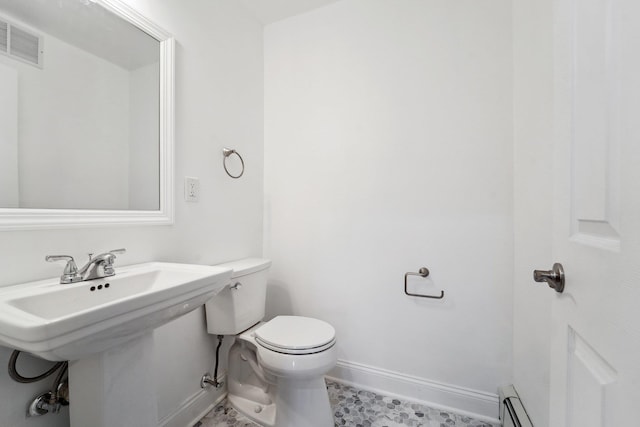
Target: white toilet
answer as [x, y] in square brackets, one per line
[276, 369]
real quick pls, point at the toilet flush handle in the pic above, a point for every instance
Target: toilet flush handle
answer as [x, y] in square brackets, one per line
[236, 286]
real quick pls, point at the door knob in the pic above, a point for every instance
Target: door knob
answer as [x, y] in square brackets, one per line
[554, 277]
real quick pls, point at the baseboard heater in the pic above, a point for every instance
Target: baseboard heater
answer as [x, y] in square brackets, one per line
[512, 412]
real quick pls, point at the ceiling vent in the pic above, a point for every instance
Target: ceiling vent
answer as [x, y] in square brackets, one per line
[4, 36]
[20, 44]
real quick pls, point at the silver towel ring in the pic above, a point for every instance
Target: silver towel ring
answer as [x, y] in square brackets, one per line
[227, 152]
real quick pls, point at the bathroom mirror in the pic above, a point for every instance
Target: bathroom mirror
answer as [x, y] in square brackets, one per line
[86, 118]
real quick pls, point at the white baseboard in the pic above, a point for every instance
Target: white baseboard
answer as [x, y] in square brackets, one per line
[460, 400]
[194, 408]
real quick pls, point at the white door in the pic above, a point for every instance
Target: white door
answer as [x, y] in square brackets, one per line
[595, 348]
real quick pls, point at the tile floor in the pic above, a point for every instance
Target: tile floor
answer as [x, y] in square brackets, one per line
[360, 408]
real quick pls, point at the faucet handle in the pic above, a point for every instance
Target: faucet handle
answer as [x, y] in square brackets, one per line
[108, 264]
[112, 255]
[71, 265]
[53, 258]
[70, 272]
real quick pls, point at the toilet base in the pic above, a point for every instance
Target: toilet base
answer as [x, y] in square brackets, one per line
[298, 403]
[303, 403]
[264, 415]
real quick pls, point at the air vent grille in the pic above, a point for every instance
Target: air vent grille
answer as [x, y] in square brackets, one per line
[4, 36]
[24, 45]
[20, 44]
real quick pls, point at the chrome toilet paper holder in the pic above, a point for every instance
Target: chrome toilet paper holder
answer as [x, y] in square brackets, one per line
[423, 272]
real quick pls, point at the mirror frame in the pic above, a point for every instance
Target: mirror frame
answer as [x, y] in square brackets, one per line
[29, 219]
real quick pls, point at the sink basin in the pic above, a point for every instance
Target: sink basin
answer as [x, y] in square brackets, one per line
[70, 322]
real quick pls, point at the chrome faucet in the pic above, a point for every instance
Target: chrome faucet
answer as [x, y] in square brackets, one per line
[96, 268]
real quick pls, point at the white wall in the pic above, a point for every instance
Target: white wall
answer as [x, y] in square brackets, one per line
[219, 91]
[8, 137]
[388, 147]
[533, 132]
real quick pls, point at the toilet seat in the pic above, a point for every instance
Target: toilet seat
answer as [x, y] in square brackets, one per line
[295, 335]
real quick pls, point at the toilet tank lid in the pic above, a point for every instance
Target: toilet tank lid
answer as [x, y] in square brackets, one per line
[245, 266]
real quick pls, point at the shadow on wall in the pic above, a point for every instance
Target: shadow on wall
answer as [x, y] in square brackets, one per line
[278, 300]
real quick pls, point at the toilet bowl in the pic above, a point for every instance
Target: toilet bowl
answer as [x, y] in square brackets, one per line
[276, 368]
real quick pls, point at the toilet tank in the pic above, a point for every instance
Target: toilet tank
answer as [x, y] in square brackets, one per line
[241, 304]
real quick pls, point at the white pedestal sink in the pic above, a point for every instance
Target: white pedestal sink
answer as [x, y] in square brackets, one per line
[104, 327]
